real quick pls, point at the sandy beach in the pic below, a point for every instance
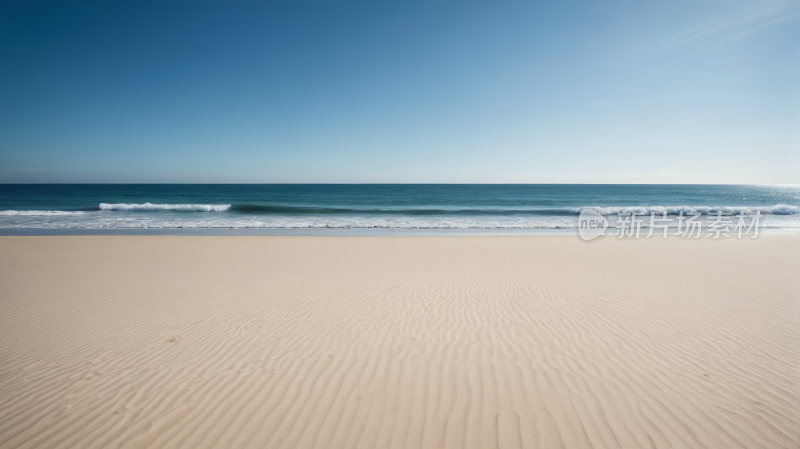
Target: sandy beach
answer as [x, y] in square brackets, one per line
[404, 342]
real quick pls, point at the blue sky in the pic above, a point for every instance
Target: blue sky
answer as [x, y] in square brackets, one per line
[453, 92]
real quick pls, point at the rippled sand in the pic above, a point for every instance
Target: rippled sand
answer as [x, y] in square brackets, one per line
[344, 342]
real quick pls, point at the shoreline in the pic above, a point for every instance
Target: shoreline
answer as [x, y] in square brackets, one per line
[330, 232]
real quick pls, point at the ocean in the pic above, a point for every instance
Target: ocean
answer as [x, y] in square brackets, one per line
[377, 206]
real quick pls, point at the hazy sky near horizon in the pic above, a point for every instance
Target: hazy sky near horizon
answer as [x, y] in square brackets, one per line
[438, 91]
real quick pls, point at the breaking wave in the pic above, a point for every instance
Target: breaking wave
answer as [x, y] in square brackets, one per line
[267, 209]
[149, 207]
[38, 212]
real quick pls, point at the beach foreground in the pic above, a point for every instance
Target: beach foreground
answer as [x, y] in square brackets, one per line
[434, 342]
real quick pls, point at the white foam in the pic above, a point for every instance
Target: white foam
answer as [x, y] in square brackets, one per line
[778, 209]
[149, 207]
[778, 216]
[199, 221]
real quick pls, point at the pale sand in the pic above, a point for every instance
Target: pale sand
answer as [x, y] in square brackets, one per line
[342, 342]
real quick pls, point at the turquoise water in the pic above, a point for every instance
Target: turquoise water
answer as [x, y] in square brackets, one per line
[383, 206]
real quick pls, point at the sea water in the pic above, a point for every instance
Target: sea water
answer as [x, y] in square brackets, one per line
[377, 206]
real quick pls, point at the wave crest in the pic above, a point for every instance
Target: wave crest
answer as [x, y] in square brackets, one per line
[149, 207]
[38, 212]
[778, 209]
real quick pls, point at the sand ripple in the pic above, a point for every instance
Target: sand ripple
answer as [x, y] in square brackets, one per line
[317, 342]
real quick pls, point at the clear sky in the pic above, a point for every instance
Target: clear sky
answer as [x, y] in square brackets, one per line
[436, 91]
